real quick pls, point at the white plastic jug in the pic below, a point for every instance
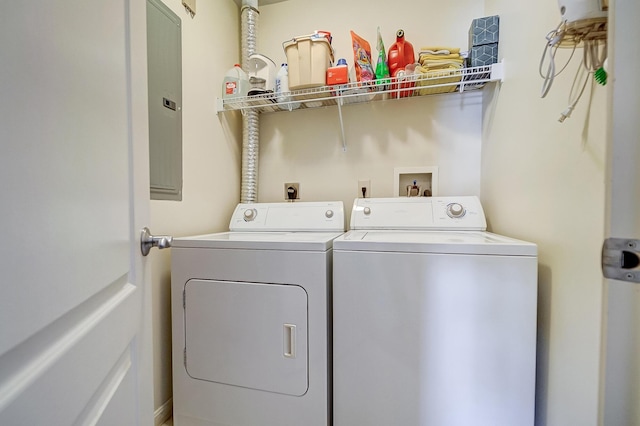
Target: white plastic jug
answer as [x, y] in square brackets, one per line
[236, 83]
[282, 89]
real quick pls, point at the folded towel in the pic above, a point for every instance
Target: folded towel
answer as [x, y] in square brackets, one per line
[435, 52]
[425, 69]
[428, 57]
[426, 78]
[433, 63]
[435, 49]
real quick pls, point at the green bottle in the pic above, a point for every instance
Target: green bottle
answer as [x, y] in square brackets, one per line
[382, 69]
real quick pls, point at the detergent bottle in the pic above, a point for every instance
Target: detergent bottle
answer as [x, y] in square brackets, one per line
[401, 59]
[400, 54]
[282, 89]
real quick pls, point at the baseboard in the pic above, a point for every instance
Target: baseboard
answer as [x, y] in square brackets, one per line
[163, 413]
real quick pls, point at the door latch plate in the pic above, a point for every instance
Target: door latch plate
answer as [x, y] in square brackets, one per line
[621, 259]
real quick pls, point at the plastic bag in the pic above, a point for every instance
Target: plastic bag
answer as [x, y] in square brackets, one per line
[362, 58]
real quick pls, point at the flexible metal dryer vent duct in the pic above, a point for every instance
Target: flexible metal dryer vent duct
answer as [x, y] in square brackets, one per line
[250, 118]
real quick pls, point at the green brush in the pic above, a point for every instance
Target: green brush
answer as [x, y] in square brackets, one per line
[601, 74]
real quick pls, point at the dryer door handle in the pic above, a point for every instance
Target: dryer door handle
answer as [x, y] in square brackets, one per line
[289, 340]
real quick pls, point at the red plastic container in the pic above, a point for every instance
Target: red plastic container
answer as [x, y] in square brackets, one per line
[338, 74]
[400, 55]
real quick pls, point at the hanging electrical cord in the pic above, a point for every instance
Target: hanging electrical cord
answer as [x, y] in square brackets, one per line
[554, 37]
[594, 57]
[592, 60]
[572, 103]
[588, 33]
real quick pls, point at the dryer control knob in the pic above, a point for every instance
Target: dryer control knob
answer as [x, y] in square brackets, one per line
[455, 210]
[367, 211]
[329, 214]
[250, 214]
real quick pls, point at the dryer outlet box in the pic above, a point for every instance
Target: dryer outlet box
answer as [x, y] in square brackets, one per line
[425, 178]
[291, 191]
[364, 188]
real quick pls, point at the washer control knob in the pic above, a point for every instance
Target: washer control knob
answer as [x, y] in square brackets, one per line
[328, 214]
[367, 211]
[455, 210]
[250, 214]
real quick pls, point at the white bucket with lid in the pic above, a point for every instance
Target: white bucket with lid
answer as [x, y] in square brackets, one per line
[308, 58]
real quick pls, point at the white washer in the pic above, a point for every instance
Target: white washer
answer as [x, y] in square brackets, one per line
[434, 319]
[252, 318]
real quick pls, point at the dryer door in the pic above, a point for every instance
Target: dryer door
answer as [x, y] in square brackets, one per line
[252, 335]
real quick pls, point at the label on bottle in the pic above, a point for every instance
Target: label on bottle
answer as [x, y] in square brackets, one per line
[231, 87]
[278, 85]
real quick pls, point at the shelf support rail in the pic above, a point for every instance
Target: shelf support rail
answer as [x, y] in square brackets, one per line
[344, 140]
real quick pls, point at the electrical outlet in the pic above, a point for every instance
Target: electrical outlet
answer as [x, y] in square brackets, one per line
[364, 189]
[291, 191]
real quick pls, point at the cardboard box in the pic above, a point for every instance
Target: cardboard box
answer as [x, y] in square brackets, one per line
[484, 31]
[486, 54]
[337, 75]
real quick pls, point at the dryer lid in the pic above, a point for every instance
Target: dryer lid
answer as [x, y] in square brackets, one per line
[252, 335]
[300, 241]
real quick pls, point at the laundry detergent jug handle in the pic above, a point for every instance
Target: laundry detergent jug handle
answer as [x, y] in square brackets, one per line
[400, 46]
[397, 52]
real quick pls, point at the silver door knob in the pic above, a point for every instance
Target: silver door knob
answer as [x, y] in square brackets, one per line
[147, 241]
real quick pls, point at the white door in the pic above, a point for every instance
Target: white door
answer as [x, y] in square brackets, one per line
[620, 390]
[74, 297]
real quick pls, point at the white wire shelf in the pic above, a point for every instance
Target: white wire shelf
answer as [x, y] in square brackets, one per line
[434, 82]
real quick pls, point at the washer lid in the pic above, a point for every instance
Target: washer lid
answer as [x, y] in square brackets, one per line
[445, 242]
[307, 241]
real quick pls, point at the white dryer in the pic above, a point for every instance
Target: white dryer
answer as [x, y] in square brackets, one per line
[252, 318]
[434, 318]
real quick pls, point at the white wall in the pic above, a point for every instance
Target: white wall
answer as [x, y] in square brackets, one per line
[305, 146]
[211, 159]
[544, 181]
[539, 180]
